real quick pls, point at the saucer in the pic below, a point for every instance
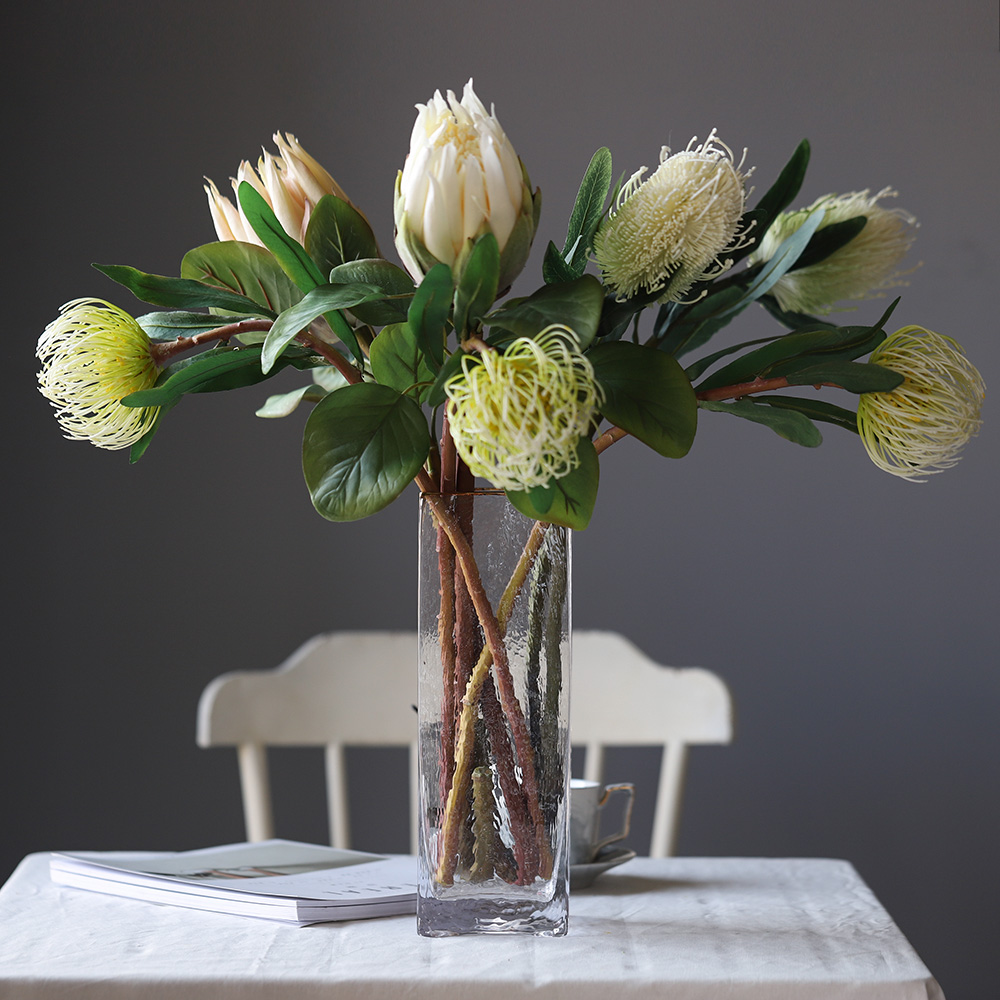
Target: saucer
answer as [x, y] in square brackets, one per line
[581, 876]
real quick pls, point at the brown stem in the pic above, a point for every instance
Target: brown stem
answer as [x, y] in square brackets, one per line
[332, 355]
[163, 351]
[743, 389]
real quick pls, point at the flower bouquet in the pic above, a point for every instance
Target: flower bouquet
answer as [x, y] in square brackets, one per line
[430, 373]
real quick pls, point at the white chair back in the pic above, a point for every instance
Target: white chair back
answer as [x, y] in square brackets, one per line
[359, 689]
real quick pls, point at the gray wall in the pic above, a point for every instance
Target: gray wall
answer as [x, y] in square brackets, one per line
[853, 615]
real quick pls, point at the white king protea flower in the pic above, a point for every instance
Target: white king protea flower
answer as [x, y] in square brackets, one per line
[291, 183]
[460, 180]
[517, 417]
[669, 231]
[859, 270]
[920, 427]
[93, 355]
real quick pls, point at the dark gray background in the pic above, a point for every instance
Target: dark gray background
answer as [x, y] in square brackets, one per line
[853, 615]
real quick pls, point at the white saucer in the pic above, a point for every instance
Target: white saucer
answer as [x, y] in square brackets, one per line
[581, 876]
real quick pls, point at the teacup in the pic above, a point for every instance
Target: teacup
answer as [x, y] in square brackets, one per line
[587, 802]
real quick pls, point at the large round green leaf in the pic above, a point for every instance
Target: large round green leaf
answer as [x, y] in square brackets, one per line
[362, 445]
[647, 394]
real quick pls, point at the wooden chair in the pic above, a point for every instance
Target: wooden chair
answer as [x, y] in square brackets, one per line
[359, 688]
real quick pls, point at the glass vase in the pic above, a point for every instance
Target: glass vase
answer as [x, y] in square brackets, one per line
[494, 618]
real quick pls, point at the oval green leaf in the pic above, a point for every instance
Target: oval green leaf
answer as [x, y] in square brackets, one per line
[363, 444]
[245, 269]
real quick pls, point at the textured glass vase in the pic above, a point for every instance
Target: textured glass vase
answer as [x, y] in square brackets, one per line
[494, 614]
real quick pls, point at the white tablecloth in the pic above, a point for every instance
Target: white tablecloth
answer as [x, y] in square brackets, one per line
[691, 928]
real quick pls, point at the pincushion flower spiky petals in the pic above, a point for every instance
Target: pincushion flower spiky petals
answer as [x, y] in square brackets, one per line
[461, 179]
[93, 355]
[291, 183]
[920, 427]
[862, 269]
[668, 231]
[517, 417]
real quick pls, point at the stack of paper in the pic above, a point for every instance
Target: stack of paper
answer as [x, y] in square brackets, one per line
[275, 879]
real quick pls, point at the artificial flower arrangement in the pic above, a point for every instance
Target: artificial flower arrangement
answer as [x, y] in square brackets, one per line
[428, 373]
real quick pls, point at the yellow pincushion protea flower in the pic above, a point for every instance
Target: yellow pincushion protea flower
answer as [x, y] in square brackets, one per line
[517, 417]
[862, 269]
[669, 231]
[920, 427]
[93, 355]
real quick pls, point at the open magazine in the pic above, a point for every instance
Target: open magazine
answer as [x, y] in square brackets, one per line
[275, 879]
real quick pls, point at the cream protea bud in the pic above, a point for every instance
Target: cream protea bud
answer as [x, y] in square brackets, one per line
[920, 427]
[291, 183]
[859, 270]
[460, 180]
[517, 417]
[667, 232]
[93, 355]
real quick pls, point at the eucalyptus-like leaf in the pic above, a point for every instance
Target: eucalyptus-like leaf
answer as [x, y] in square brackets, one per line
[782, 192]
[429, 311]
[554, 268]
[395, 283]
[213, 371]
[789, 424]
[647, 394]
[398, 361]
[478, 286]
[451, 367]
[285, 403]
[140, 447]
[180, 293]
[362, 445]
[288, 252]
[319, 302]
[815, 346]
[697, 323]
[576, 304]
[588, 210]
[850, 375]
[243, 268]
[814, 409]
[338, 233]
[177, 323]
[568, 501]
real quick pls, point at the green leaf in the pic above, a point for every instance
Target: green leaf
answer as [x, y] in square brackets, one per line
[617, 316]
[395, 283]
[288, 252]
[362, 446]
[318, 302]
[814, 409]
[568, 501]
[695, 370]
[243, 268]
[793, 320]
[338, 233]
[140, 447]
[398, 362]
[850, 375]
[285, 403]
[554, 268]
[212, 371]
[180, 293]
[781, 193]
[786, 354]
[698, 323]
[428, 313]
[177, 323]
[451, 367]
[576, 304]
[828, 240]
[789, 424]
[477, 289]
[588, 210]
[647, 394]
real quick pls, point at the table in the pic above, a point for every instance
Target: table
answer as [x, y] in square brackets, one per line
[691, 928]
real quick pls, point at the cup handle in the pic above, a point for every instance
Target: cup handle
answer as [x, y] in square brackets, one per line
[623, 833]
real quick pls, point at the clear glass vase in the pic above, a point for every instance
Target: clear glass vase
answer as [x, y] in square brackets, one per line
[494, 619]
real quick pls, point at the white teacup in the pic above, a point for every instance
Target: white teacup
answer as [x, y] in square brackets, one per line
[587, 801]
